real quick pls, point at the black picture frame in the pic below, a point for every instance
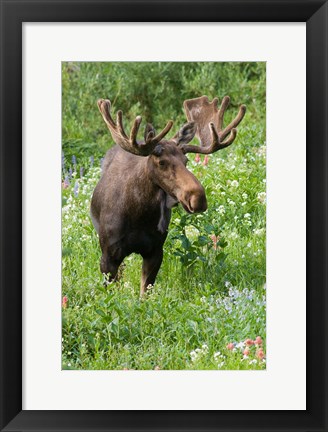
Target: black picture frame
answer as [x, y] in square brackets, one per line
[13, 14]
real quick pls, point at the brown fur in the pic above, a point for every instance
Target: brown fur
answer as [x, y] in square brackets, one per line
[129, 206]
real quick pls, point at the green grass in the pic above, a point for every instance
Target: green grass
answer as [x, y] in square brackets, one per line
[210, 290]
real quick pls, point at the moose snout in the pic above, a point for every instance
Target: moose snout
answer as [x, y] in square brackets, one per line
[194, 201]
[198, 202]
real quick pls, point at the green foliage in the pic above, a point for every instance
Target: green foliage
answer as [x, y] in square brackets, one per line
[210, 290]
[155, 91]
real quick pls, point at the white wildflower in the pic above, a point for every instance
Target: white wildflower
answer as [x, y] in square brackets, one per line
[261, 196]
[240, 345]
[221, 210]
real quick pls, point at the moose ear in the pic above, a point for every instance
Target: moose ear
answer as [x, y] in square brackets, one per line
[185, 134]
[149, 129]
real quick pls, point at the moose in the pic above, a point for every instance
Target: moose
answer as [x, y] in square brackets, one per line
[142, 180]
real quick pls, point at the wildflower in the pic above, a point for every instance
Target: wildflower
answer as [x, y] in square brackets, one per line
[249, 342]
[234, 183]
[81, 171]
[206, 159]
[230, 346]
[261, 196]
[240, 345]
[262, 151]
[260, 354]
[64, 302]
[221, 210]
[258, 340]
[198, 352]
[76, 189]
[197, 158]
[215, 239]
[247, 215]
[74, 161]
[234, 235]
[246, 352]
[65, 183]
[70, 173]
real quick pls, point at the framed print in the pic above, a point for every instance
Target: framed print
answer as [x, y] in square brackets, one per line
[221, 334]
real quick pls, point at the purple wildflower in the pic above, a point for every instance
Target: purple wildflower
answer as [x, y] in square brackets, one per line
[81, 171]
[76, 188]
[74, 162]
[70, 173]
[66, 181]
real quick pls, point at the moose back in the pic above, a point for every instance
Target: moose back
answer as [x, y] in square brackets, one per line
[142, 180]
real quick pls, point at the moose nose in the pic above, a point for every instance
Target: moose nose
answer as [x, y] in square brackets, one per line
[198, 202]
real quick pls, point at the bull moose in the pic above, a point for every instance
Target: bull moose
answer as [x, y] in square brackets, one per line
[142, 180]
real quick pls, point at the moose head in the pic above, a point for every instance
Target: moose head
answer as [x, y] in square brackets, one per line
[143, 180]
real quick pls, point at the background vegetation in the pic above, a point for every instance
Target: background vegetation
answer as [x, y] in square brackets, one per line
[208, 304]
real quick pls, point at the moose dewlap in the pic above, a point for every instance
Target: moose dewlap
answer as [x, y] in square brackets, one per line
[142, 180]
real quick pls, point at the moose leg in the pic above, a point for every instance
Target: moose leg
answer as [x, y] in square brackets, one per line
[150, 267]
[109, 267]
[110, 262]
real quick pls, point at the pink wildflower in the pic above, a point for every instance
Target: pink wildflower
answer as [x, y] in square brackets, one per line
[246, 352]
[206, 159]
[64, 302]
[215, 240]
[230, 346]
[258, 340]
[197, 158]
[260, 354]
[249, 342]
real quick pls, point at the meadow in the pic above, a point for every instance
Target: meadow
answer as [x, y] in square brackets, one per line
[207, 309]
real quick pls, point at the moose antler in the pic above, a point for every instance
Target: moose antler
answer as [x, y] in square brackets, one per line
[130, 143]
[209, 120]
